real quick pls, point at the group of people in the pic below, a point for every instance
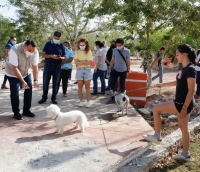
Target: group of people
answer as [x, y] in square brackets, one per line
[58, 64]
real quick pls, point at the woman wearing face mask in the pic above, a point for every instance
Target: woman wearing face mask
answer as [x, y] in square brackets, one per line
[82, 59]
[66, 68]
[100, 68]
[10, 43]
[183, 103]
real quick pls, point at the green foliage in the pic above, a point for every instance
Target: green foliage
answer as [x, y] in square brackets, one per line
[7, 30]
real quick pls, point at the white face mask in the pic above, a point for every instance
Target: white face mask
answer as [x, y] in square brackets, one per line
[55, 41]
[28, 53]
[95, 48]
[82, 47]
[13, 42]
[120, 47]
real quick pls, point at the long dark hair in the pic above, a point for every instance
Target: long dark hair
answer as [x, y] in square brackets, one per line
[99, 43]
[10, 39]
[186, 48]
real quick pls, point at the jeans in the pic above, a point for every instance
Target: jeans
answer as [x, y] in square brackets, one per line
[54, 71]
[160, 74]
[122, 77]
[144, 69]
[5, 79]
[101, 74]
[64, 76]
[14, 93]
[198, 83]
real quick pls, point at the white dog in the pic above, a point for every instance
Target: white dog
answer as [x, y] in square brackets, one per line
[122, 101]
[62, 119]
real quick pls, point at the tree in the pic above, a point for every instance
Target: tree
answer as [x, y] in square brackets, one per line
[71, 17]
[7, 28]
[146, 17]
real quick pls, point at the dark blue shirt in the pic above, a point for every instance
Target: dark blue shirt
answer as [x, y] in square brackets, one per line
[9, 45]
[56, 49]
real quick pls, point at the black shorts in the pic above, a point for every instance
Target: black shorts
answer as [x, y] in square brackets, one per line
[179, 106]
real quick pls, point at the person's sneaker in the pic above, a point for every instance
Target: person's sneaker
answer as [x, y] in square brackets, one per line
[111, 101]
[3, 86]
[80, 104]
[41, 101]
[87, 104]
[101, 93]
[76, 82]
[110, 93]
[17, 116]
[54, 102]
[28, 113]
[64, 95]
[93, 94]
[151, 138]
[180, 157]
[196, 96]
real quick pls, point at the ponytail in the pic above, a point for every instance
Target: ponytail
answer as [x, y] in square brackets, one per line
[186, 48]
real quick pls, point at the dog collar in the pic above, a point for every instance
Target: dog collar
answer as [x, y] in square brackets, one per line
[56, 117]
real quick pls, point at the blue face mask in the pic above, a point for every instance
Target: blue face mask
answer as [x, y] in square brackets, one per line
[66, 48]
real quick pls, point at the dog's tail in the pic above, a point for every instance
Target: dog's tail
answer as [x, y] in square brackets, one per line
[86, 123]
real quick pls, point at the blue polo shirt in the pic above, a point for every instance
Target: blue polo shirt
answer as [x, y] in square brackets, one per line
[69, 54]
[56, 49]
[9, 45]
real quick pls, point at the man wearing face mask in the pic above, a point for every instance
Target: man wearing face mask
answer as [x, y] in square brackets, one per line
[10, 43]
[54, 53]
[121, 61]
[21, 59]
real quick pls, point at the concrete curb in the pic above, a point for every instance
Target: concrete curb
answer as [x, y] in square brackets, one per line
[157, 153]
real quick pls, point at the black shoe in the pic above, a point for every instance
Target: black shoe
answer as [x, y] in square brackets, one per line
[76, 82]
[111, 101]
[28, 113]
[94, 94]
[17, 116]
[101, 93]
[41, 101]
[107, 89]
[54, 102]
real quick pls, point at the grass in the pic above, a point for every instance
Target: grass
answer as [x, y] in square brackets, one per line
[175, 166]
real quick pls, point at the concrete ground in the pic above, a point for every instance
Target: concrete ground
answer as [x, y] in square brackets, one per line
[32, 145]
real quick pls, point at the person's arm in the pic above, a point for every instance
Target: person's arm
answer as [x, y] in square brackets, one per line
[107, 60]
[98, 63]
[7, 53]
[128, 61]
[167, 84]
[191, 90]
[35, 76]
[19, 76]
[111, 64]
[68, 60]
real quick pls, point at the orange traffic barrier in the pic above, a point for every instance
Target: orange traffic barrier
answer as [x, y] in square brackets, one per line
[134, 82]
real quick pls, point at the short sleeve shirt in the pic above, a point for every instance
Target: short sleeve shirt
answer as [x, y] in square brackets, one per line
[55, 49]
[82, 55]
[9, 45]
[182, 85]
[120, 64]
[102, 65]
[69, 54]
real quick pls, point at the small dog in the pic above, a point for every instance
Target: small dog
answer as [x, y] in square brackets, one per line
[122, 101]
[62, 119]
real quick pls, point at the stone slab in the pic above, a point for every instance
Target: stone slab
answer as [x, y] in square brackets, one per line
[32, 145]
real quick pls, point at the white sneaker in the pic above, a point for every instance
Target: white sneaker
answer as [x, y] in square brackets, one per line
[81, 104]
[180, 157]
[87, 104]
[151, 138]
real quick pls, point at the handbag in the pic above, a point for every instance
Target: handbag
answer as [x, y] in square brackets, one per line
[123, 58]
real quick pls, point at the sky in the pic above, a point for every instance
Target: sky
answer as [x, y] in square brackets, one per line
[6, 10]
